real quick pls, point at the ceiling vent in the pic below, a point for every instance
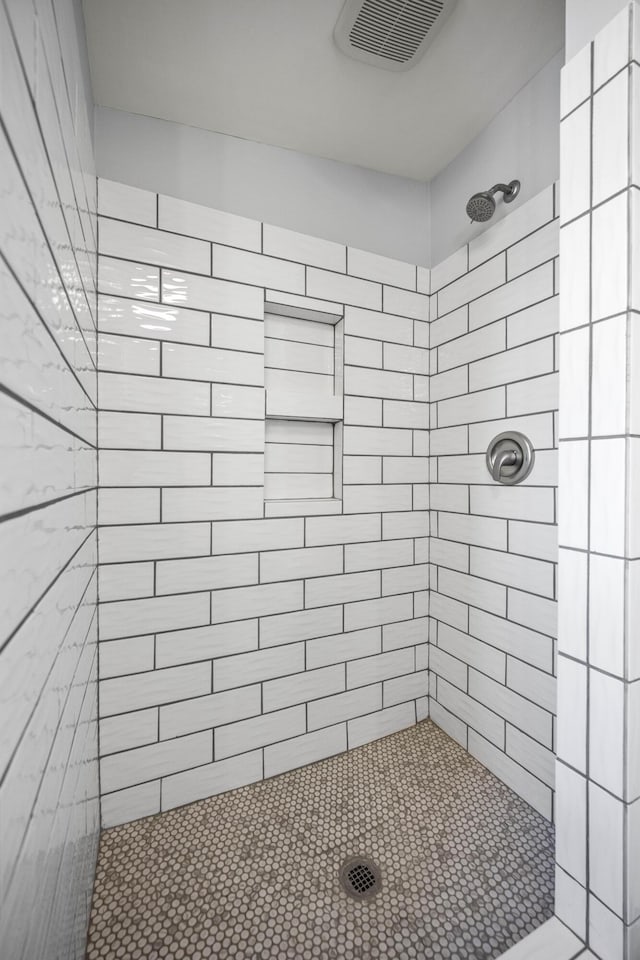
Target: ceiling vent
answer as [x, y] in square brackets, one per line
[392, 34]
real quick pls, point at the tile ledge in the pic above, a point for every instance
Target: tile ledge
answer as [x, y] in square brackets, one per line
[305, 508]
[551, 941]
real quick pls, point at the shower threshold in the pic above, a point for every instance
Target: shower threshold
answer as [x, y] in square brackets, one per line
[466, 866]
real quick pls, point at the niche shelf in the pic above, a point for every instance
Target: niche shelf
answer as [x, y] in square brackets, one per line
[304, 349]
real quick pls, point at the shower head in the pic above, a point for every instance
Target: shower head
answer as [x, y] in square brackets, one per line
[481, 206]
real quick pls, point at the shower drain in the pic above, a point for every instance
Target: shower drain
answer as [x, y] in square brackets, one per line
[360, 878]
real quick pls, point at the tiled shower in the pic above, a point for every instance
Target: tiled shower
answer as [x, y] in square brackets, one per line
[247, 519]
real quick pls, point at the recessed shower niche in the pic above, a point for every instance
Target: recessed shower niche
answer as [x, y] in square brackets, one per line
[303, 358]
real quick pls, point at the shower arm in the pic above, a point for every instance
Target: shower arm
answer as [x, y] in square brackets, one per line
[510, 190]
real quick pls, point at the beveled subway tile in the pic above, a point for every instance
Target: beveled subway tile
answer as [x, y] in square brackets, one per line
[372, 266]
[473, 346]
[155, 760]
[307, 562]
[206, 293]
[481, 656]
[211, 503]
[307, 748]
[521, 292]
[205, 573]
[522, 221]
[127, 279]
[203, 713]
[575, 253]
[126, 656]
[378, 383]
[607, 715]
[123, 694]
[473, 284]
[210, 779]
[606, 846]
[205, 643]
[284, 692]
[473, 590]
[134, 431]
[254, 268]
[261, 731]
[130, 804]
[513, 638]
[538, 247]
[375, 498]
[128, 354]
[123, 618]
[538, 427]
[574, 383]
[126, 392]
[127, 730]
[348, 290]
[340, 647]
[473, 713]
[211, 364]
[517, 363]
[128, 506]
[150, 468]
[370, 613]
[152, 320]
[611, 48]
[533, 322]
[575, 163]
[126, 203]
[363, 411]
[153, 541]
[219, 434]
[449, 269]
[360, 322]
[575, 81]
[607, 510]
[133, 242]
[572, 713]
[610, 138]
[181, 216]
[125, 581]
[609, 258]
[405, 304]
[289, 245]
[449, 668]
[237, 333]
[387, 721]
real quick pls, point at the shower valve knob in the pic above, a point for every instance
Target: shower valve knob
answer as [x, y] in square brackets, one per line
[510, 457]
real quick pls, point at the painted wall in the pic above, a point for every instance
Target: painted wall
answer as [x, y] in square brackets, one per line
[48, 655]
[521, 142]
[375, 211]
[493, 547]
[242, 635]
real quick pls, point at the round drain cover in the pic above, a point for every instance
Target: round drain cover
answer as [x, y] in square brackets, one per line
[360, 878]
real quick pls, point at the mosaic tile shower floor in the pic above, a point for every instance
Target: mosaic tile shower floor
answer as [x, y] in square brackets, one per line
[467, 866]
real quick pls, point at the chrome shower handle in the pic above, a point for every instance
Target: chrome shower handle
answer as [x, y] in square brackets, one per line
[510, 457]
[506, 458]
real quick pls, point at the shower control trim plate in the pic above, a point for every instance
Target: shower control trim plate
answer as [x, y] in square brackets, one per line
[510, 457]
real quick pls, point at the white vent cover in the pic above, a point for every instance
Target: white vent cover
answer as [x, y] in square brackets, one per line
[392, 34]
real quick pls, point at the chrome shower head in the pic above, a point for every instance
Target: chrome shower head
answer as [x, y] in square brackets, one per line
[481, 207]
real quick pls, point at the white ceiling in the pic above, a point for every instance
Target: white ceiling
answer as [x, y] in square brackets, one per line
[268, 70]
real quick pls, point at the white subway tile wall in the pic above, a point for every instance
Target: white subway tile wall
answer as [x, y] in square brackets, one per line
[240, 634]
[48, 648]
[598, 660]
[493, 548]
